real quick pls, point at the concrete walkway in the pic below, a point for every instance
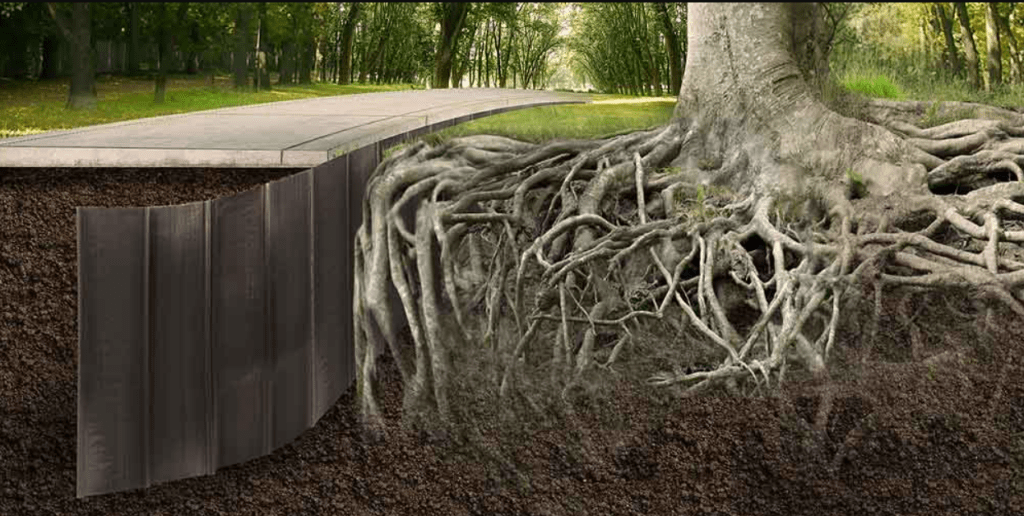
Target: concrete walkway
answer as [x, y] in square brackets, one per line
[297, 133]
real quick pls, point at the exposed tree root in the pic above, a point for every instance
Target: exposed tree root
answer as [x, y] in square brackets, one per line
[578, 243]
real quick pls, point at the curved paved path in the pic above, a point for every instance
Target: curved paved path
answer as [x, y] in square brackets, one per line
[295, 134]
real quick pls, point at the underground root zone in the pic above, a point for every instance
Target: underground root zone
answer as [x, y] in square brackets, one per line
[900, 435]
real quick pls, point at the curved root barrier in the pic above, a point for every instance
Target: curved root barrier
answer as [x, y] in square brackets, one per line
[575, 241]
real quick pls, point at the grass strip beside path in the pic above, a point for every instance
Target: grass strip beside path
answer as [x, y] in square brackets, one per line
[30, 107]
[568, 121]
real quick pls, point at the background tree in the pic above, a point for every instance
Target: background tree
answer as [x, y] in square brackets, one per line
[165, 28]
[946, 25]
[667, 15]
[967, 39]
[994, 59]
[536, 39]
[351, 18]
[243, 15]
[75, 24]
[1015, 57]
[261, 74]
[619, 47]
[452, 18]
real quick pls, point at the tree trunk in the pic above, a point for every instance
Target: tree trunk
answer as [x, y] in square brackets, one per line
[51, 58]
[287, 63]
[163, 52]
[77, 31]
[809, 44]
[451, 27]
[133, 38]
[750, 51]
[262, 49]
[675, 61]
[994, 59]
[947, 31]
[345, 64]
[970, 51]
[243, 14]
[1016, 74]
[306, 58]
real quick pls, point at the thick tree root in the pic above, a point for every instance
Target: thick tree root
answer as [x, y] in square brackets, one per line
[965, 153]
[578, 243]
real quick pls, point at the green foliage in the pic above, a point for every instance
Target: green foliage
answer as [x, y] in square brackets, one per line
[905, 44]
[620, 47]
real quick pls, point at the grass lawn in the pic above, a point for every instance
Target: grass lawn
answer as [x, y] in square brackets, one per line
[876, 80]
[600, 119]
[29, 107]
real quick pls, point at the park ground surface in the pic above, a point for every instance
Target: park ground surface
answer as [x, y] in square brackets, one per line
[905, 434]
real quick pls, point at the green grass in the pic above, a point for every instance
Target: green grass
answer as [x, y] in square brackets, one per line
[908, 78]
[29, 107]
[875, 85]
[572, 121]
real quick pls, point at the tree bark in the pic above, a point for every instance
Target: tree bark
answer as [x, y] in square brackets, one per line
[994, 59]
[452, 19]
[345, 65]
[243, 14]
[51, 57]
[947, 30]
[306, 57]
[970, 50]
[262, 77]
[77, 31]
[163, 51]
[287, 63]
[675, 61]
[133, 38]
[810, 44]
[1016, 67]
[743, 78]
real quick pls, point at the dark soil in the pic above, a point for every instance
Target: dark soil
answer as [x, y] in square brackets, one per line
[902, 437]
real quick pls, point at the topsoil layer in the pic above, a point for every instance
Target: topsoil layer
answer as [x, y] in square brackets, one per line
[902, 436]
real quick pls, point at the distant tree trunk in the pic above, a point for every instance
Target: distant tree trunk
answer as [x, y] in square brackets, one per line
[454, 17]
[947, 30]
[194, 42]
[262, 49]
[51, 58]
[320, 67]
[287, 63]
[994, 59]
[810, 44]
[347, 32]
[675, 60]
[500, 66]
[133, 38]
[242, 16]
[78, 32]
[163, 51]
[306, 57]
[1016, 72]
[970, 51]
